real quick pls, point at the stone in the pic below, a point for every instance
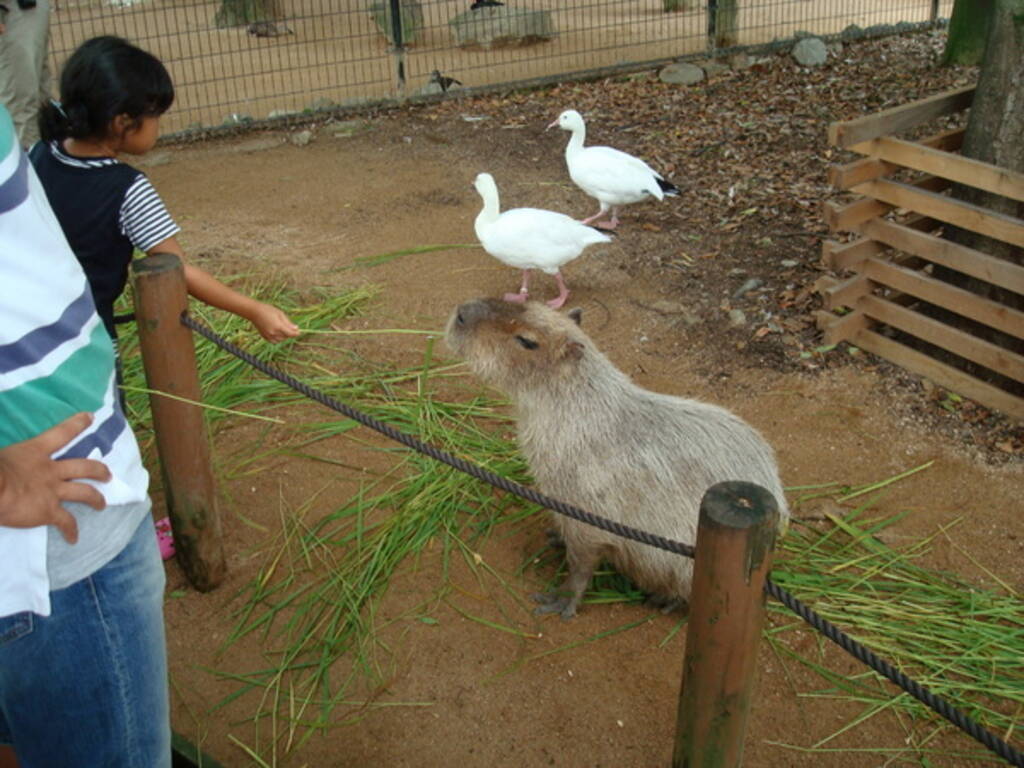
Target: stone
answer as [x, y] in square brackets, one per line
[301, 139]
[277, 113]
[346, 128]
[740, 61]
[411, 13]
[712, 67]
[681, 73]
[737, 318]
[810, 52]
[852, 32]
[496, 26]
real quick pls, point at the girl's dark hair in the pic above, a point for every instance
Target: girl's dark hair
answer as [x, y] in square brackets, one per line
[105, 77]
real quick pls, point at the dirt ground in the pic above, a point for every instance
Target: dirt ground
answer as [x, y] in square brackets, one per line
[657, 301]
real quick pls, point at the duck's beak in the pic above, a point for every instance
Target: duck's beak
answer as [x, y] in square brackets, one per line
[552, 124]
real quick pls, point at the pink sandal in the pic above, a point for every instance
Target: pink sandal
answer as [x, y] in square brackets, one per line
[164, 537]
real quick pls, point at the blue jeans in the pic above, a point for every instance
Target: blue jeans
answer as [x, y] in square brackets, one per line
[87, 685]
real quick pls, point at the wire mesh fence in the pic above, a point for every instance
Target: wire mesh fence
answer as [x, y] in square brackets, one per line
[308, 55]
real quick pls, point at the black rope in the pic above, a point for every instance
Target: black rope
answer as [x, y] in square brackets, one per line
[433, 452]
[870, 658]
[824, 626]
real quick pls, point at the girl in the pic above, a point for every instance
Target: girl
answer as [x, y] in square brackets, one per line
[112, 96]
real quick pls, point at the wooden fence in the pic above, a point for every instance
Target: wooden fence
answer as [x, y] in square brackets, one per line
[896, 222]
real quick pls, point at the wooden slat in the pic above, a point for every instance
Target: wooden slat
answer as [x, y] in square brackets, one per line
[843, 256]
[975, 218]
[940, 293]
[846, 293]
[947, 253]
[857, 172]
[964, 170]
[872, 167]
[941, 335]
[896, 119]
[847, 217]
[940, 373]
[837, 328]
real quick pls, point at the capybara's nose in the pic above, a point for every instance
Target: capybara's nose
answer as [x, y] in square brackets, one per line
[469, 313]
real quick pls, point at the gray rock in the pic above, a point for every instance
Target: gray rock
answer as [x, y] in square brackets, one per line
[788, 263]
[348, 128]
[810, 52]
[740, 61]
[411, 13]
[737, 318]
[713, 68]
[852, 32]
[495, 26]
[681, 73]
[275, 113]
[301, 139]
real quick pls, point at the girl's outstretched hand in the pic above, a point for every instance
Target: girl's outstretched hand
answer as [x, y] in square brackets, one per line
[273, 324]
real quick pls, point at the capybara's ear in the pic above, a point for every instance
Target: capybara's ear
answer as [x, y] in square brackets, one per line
[573, 350]
[576, 315]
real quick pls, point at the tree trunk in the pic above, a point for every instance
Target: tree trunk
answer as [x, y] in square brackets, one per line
[236, 13]
[995, 134]
[968, 31]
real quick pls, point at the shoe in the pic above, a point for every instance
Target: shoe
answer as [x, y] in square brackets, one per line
[164, 538]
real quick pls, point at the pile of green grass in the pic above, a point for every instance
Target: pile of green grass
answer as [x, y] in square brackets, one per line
[315, 601]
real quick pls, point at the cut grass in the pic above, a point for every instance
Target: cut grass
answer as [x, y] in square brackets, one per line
[317, 596]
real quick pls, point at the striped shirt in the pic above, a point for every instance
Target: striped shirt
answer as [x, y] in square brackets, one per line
[55, 360]
[107, 210]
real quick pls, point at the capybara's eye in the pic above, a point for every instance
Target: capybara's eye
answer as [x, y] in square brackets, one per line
[459, 319]
[527, 343]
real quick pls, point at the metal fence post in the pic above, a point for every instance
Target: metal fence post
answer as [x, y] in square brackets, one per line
[169, 359]
[398, 39]
[735, 542]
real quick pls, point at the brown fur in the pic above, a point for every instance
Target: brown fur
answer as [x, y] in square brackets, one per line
[596, 440]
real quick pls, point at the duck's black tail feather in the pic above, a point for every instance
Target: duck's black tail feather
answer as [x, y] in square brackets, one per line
[668, 187]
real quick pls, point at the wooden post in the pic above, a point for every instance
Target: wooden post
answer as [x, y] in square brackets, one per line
[735, 542]
[169, 358]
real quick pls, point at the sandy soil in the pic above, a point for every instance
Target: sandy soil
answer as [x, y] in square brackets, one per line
[264, 206]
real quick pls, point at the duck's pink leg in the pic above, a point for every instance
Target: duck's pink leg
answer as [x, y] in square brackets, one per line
[596, 216]
[563, 293]
[524, 291]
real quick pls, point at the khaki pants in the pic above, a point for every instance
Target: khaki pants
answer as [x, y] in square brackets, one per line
[24, 69]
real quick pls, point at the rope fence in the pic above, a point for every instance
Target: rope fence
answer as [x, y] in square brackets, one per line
[856, 649]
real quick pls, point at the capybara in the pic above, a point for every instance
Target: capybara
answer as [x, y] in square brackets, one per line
[598, 441]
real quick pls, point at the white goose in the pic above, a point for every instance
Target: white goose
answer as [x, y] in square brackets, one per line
[613, 177]
[530, 238]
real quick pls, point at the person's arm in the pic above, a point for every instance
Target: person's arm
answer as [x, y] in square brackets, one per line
[32, 485]
[271, 322]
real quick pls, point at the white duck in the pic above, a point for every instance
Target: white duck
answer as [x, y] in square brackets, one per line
[530, 238]
[613, 177]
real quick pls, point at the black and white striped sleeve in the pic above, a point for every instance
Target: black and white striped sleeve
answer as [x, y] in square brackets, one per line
[144, 217]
